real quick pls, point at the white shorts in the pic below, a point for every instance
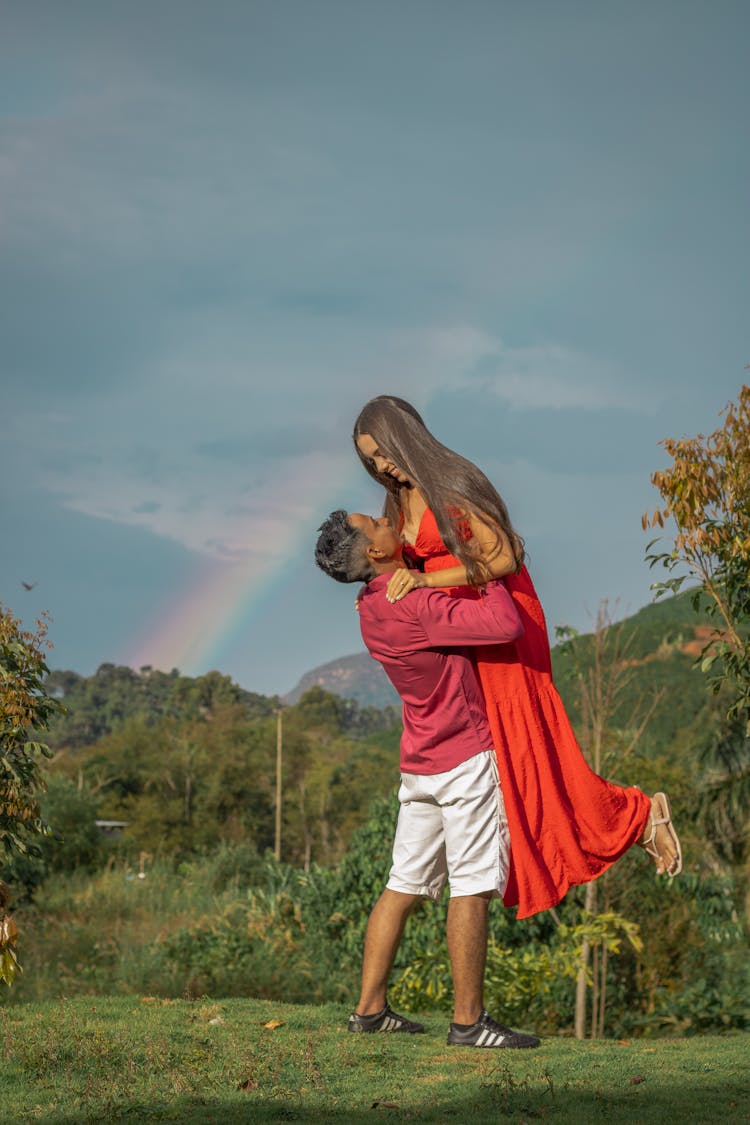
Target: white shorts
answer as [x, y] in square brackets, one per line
[452, 826]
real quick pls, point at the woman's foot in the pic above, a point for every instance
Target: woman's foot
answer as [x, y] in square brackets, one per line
[660, 839]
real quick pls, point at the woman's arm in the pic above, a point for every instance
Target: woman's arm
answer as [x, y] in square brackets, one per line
[492, 547]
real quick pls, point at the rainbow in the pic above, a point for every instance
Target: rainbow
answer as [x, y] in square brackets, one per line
[200, 620]
[212, 611]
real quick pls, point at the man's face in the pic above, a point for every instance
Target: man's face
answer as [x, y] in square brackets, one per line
[379, 534]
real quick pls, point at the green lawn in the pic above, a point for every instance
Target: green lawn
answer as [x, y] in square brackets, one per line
[140, 1060]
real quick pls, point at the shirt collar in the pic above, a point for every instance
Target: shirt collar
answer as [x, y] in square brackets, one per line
[379, 582]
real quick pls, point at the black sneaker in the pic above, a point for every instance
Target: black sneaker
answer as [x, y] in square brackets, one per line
[487, 1032]
[383, 1021]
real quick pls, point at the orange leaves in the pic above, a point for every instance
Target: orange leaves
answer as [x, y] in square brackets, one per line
[655, 520]
[707, 487]
[706, 492]
[8, 931]
[9, 965]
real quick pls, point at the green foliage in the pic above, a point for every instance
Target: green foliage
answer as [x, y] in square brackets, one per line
[342, 900]
[189, 764]
[104, 932]
[526, 983]
[101, 704]
[666, 625]
[318, 706]
[692, 930]
[227, 923]
[234, 923]
[662, 641]
[73, 840]
[116, 696]
[184, 787]
[725, 797]
[230, 867]
[259, 947]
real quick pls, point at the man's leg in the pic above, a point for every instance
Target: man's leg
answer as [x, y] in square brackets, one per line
[384, 931]
[467, 947]
[419, 870]
[477, 850]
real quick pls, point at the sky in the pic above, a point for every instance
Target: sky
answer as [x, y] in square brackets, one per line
[224, 227]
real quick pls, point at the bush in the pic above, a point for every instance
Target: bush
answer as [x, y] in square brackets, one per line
[73, 840]
[233, 923]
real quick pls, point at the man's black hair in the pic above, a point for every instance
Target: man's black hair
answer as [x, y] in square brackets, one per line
[340, 550]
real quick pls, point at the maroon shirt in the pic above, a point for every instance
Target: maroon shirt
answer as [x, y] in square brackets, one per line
[422, 642]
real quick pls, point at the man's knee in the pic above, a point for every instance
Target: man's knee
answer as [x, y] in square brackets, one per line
[484, 897]
[396, 902]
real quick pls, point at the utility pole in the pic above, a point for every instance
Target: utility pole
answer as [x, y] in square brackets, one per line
[279, 743]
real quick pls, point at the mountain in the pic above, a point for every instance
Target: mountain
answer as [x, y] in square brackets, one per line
[357, 677]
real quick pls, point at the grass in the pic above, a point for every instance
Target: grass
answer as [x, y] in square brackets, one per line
[146, 1059]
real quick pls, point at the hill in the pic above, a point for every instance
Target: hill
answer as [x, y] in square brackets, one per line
[356, 677]
[664, 637]
[98, 704]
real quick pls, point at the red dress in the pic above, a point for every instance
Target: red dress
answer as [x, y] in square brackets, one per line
[567, 824]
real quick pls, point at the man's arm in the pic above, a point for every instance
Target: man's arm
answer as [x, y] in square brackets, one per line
[447, 621]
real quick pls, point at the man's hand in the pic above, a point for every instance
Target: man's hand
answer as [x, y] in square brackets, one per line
[402, 581]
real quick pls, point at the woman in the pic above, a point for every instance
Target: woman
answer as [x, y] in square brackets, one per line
[567, 824]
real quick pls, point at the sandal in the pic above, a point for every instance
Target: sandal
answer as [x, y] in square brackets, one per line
[674, 866]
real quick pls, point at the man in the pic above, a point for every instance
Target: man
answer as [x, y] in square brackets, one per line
[452, 823]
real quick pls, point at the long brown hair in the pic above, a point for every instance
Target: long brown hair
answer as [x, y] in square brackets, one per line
[449, 483]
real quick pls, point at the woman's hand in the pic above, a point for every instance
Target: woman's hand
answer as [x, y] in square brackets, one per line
[402, 581]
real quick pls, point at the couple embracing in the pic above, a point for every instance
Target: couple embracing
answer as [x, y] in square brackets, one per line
[496, 797]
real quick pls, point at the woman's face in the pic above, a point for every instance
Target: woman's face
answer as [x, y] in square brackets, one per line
[368, 447]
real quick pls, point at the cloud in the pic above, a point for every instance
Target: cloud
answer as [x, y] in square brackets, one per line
[533, 377]
[213, 513]
[170, 458]
[543, 378]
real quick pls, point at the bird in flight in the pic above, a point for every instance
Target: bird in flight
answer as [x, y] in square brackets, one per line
[28, 585]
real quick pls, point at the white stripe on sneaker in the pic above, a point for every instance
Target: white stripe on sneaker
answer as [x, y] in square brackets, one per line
[485, 1035]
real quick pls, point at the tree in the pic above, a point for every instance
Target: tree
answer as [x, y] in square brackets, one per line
[706, 492]
[25, 709]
